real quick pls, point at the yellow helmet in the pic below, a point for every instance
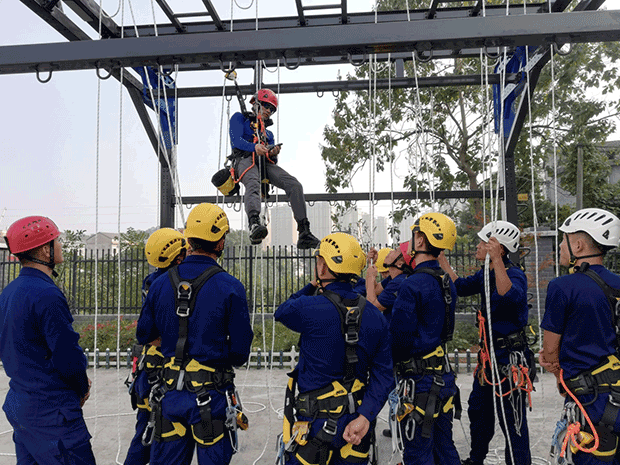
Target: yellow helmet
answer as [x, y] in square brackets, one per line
[438, 228]
[163, 246]
[342, 253]
[207, 222]
[381, 256]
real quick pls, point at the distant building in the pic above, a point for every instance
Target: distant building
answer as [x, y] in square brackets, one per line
[102, 241]
[349, 223]
[319, 216]
[404, 228]
[379, 235]
[282, 227]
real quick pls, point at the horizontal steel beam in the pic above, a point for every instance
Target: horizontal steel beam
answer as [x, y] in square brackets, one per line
[350, 85]
[438, 34]
[352, 196]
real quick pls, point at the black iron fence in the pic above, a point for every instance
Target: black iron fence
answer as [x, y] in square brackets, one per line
[270, 276]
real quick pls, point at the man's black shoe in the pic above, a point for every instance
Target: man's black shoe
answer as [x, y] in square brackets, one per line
[257, 231]
[306, 239]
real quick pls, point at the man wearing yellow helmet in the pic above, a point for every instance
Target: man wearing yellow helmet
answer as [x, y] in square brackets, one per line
[344, 363]
[422, 322]
[164, 249]
[201, 314]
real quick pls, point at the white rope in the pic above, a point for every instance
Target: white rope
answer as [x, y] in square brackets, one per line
[390, 150]
[554, 135]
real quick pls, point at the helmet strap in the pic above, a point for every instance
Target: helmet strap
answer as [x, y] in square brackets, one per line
[572, 261]
[49, 264]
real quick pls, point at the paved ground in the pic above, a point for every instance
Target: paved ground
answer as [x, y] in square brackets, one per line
[111, 420]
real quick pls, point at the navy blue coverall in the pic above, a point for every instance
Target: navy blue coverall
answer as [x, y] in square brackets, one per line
[577, 308]
[418, 317]
[387, 298]
[322, 354]
[40, 353]
[509, 314]
[220, 336]
[139, 454]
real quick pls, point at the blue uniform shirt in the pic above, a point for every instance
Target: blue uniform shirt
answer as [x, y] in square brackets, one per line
[242, 134]
[149, 279]
[389, 294]
[322, 351]
[577, 308]
[418, 315]
[509, 312]
[360, 287]
[220, 334]
[39, 350]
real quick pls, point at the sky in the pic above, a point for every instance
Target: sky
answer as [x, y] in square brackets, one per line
[49, 131]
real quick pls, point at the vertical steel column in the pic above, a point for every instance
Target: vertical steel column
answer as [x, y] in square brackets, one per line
[166, 194]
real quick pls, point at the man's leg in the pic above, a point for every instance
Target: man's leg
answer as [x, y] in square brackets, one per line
[481, 421]
[293, 188]
[445, 452]
[520, 442]
[251, 181]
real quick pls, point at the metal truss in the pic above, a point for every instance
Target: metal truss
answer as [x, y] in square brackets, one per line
[202, 40]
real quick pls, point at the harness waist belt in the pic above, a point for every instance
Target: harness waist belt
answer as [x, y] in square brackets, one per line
[332, 401]
[512, 341]
[433, 362]
[193, 376]
[603, 378]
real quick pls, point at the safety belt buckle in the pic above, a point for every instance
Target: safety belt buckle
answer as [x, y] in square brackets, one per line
[179, 386]
[614, 400]
[439, 381]
[330, 427]
[206, 401]
[351, 338]
[351, 402]
[183, 310]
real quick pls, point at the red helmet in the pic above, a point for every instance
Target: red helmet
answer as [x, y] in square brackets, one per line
[266, 96]
[29, 233]
[406, 255]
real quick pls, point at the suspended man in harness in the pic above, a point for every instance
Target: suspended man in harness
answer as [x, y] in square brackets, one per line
[426, 399]
[164, 249]
[254, 164]
[40, 353]
[580, 344]
[510, 333]
[344, 374]
[201, 314]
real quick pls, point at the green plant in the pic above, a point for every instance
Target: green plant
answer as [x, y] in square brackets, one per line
[107, 334]
[284, 338]
[465, 337]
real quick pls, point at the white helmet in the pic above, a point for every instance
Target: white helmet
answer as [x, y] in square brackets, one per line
[602, 226]
[506, 234]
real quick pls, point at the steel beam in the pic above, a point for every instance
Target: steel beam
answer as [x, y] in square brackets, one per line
[353, 85]
[57, 20]
[163, 4]
[438, 34]
[353, 196]
[89, 11]
[334, 19]
[214, 16]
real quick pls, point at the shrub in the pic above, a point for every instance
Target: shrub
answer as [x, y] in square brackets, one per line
[107, 334]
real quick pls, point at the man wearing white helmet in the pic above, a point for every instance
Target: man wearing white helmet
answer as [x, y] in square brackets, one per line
[509, 316]
[580, 343]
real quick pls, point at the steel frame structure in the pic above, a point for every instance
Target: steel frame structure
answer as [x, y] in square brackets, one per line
[201, 40]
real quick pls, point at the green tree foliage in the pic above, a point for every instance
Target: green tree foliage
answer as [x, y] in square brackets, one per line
[133, 239]
[443, 132]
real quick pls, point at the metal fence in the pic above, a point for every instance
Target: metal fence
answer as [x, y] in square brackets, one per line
[270, 276]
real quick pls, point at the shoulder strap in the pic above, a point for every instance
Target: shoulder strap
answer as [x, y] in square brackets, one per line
[612, 294]
[185, 299]
[444, 282]
[350, 312]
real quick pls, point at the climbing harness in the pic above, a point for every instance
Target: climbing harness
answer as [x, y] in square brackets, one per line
[180, 373]
[330, 402]
[423, 407]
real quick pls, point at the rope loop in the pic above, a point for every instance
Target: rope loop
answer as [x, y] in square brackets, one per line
[228, 98]
[232, 66]
[166, 73]
[357, 63]
[336, 93]
[418, 56]
[291, 67]
[320, 93]
[98, 68]
[43, 81]
[558, 49]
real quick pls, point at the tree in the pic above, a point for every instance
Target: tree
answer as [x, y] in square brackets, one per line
[133, 239]
[445, 131]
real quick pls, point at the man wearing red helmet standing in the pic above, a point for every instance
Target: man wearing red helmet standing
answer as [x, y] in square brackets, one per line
[255, 161]
[40, 353]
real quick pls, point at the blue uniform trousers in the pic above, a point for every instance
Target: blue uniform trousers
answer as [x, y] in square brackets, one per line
[139, 454]
[439, 448]
[181, 407]
[482, 423]
[338, 442]
[65, 444]
[595, 412]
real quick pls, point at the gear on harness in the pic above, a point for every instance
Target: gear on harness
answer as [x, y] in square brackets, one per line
[330, 402]
[182, 373]
[148, 359]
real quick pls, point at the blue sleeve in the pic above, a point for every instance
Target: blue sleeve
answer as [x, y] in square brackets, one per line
[555, 306]
[237, 125]
[307, 290]
[517, 293]
[67, 356]
[470, 285]
[294, 313]
[381, 379]
[388, 296]
[404, 324]
[270, 138]
[146, 330]
[239, 327]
